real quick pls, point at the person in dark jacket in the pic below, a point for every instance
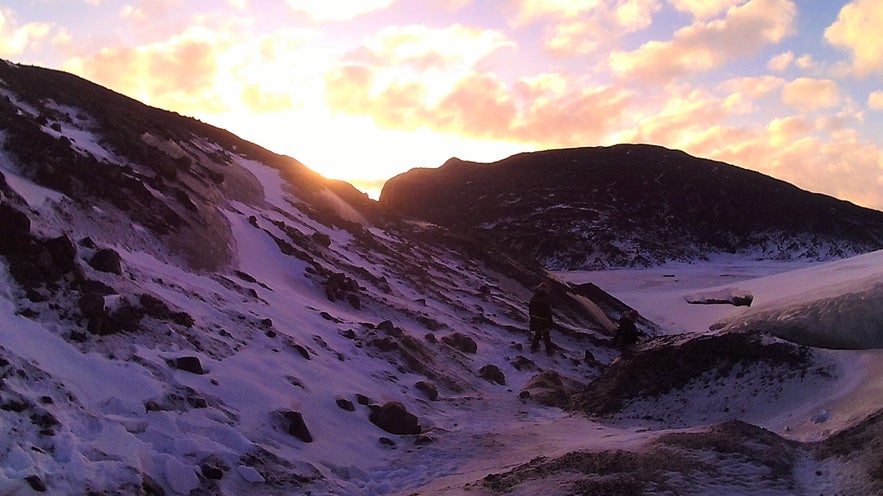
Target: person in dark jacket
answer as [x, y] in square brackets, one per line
[627, 333]
[540, 310]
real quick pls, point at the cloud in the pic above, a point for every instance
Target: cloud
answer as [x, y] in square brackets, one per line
[753, 87]
[529, 11]
[810, 94]
[704, 46]
[704, 9]
[857, 30]
[781, 62]
[15, 39]
[580, 27]
[410, 78]
[875, 100]
[337, 10]
[208, 69]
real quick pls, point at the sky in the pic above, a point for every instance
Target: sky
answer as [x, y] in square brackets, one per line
[362, 90]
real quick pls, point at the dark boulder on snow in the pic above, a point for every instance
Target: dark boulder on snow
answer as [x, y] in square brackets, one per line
[189, 364]
[428, 389]
[296, 426]
[550, 388]
[345, 404]
[461, 342]
[668, 364]
[394, 418]
[63, 252]
[107, 260]
[16, 228]
[493, 374]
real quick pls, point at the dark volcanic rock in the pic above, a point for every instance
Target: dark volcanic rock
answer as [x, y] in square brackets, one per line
[394, 418]
[672, 362]
[632, 205]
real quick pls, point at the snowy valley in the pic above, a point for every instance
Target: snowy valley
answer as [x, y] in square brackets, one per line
[185, 313]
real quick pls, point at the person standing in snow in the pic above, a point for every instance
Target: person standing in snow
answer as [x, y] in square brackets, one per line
[540, 310]
[627, 333]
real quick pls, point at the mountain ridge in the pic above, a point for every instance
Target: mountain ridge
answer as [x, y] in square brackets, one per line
[632, 205]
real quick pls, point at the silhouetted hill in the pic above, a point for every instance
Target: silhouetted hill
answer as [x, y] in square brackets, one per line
[632, 205]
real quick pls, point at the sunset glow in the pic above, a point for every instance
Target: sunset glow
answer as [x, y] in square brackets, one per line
[363, 90]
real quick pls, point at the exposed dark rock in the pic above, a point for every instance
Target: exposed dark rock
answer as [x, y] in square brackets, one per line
[211, 472]
[345, 404]
[394, 418]
[297, 427]
[550, 388]
[428, 389]
[107, 260]
[493, 374]
[461, 342]
[189, 364]
[16, 228]
[670, 363]
[63, 252]
[36, 483]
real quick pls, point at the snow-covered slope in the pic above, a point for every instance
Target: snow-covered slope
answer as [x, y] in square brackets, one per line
[183, 312]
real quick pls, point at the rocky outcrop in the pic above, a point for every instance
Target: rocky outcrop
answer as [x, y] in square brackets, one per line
[631, 206]
[394, 418]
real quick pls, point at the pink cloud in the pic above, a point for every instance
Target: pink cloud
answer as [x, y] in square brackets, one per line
[857, 30]
[810, 94]
[706, 45]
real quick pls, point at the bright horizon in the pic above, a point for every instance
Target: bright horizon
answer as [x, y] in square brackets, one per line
[364, 90]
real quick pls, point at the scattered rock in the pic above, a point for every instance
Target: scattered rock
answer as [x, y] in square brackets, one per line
[493, 374]
[297, 427]
[189, 364]
[550, 388]
[107, 260]
[461, 342]
[346, 404]
[63, 252]
[36, 483]
[16, 228]
[303, 351]
[394, 418]
[211, 472]
[428, 389]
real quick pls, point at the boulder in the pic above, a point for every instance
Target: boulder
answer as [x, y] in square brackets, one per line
[189, 364]
[428, 389]
[63, 252]
[16, 229]
[493, 374]
[550, 388]
[461, 342]
[297, 427]
[394, 418]
[107, 260]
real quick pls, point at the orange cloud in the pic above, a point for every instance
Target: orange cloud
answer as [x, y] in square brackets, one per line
[753, 87]
[338, 10]
[875, 100]
[781, 62]
[810, 94]
[706, 45]
[186, 66]
[580, 27]
[16, 39]
[857, 30]
[704, 9]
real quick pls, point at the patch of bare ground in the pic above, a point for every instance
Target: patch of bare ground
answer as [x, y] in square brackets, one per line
[670, 363]
[729, 457]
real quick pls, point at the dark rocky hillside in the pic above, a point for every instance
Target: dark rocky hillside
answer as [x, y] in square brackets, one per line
[632, 205]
